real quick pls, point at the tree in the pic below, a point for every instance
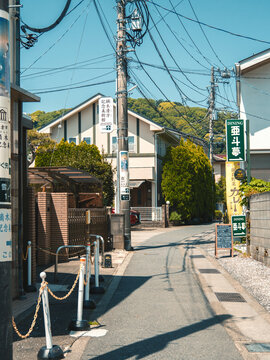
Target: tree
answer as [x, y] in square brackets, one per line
[187, 182]
[37, 140]
[83, 157]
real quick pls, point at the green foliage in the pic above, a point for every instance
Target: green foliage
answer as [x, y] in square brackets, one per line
[254, 187]
[184, 119]
[175, 218]
[187, 182]
[218, 214]
[84, 157]
[41, 118]
[36, 140]
[221, 190]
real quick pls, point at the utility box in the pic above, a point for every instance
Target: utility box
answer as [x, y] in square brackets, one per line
[118, 230]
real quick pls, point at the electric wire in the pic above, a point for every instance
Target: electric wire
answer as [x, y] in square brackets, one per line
[179, 42]
[72, 84]
[53, 71]
[103, 26]
[188, 34]
[141, 84]
[59, 39]
[215, 53]
[169, 52]
[211, 26]
[163, 94]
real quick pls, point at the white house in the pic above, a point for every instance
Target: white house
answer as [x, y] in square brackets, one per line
[253, 98]
[148, 142]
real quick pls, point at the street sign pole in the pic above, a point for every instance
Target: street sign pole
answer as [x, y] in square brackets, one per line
[5, 181]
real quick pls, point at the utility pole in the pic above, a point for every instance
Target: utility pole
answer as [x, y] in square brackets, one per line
[5, 182]
[211, 114]
[122, 130]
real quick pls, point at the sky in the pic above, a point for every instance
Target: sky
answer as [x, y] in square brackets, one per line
[77, 59]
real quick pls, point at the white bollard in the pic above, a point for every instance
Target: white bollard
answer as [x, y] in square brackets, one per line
[80, 324]
[29, 274]
[80, 290]
[97, 263]
[88, 304]
[49, 351]
[97, 289]
[29, 287]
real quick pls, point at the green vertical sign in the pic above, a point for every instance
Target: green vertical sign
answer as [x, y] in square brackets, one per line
[235, 140]
[239, 225]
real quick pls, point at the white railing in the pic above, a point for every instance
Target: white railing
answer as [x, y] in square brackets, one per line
[149, 213]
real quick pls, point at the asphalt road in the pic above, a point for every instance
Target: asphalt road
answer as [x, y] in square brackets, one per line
[159, 311]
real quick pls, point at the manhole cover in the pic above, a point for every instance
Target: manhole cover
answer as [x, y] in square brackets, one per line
[259, 347]
[231, 297]
[197, 256]
[209, 271]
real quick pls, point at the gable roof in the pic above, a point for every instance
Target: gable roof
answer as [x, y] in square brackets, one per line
[254, 61]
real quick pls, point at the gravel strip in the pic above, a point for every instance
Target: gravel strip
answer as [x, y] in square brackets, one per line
[251, 274]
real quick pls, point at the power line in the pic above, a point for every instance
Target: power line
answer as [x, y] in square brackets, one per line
[179, 42]
[188, 34]
[76, 87]
[103, 26]
[57, 41]
[216, 55]
[72, 84]
[211, 26]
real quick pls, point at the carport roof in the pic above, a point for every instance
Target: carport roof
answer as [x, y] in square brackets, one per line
[62, 174]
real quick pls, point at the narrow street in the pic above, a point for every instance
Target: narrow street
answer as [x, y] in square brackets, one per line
[158, 310]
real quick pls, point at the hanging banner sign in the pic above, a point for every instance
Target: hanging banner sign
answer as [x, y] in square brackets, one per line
[235, 140]
[105, 114]
[124, 175]
[232, 190]
[5, 144]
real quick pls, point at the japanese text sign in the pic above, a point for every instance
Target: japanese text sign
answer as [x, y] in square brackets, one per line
[5, 235]
[239, 225]
[232, 190]
[106, 114]
[235, 140]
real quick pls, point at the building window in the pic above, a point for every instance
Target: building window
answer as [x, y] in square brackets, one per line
[114, 144]
[131, 143]
[87, 140]
[72, 139]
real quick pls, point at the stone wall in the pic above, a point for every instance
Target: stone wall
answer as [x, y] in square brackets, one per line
[260, 227]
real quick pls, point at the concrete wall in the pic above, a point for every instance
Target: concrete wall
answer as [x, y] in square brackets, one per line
[260, 227]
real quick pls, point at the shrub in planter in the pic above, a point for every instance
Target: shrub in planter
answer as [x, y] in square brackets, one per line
[175, 218]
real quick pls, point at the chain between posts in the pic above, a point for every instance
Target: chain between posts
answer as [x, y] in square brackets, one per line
[26, 253]
[42, 287]
[52, 253]
[70, 291]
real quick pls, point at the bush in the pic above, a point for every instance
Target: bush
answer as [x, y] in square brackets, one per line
[175, 218]
[187, 182]
[218, 215]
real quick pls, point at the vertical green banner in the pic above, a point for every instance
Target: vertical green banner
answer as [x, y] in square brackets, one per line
[235, 140]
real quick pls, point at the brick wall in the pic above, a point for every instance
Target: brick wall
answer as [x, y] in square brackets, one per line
[59, 221]
[44, 227]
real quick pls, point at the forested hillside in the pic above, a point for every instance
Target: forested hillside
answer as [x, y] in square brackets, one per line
[191, 120]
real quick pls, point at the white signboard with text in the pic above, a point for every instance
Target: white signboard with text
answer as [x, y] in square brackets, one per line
[106, 114]
[124, 175]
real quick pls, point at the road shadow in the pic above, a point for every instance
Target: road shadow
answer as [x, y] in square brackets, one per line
[146, 347]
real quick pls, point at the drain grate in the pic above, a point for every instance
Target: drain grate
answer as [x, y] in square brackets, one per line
[209, 271]
[197, 256]
[231, 297]
[259, 347]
